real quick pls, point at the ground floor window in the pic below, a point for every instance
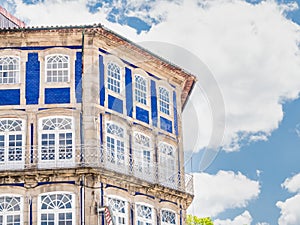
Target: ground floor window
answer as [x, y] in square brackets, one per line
[10, 210]
[144, 214]
[56, 208]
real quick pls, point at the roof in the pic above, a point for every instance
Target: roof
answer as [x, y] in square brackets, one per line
[187, 78]
[11, 18]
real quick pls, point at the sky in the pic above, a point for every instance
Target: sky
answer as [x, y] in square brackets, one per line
[245, 150]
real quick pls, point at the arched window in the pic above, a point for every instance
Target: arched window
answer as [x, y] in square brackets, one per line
[56, 140]
[144, 214]
[167, 165]
[11, 208]
[115, 143]
[57, 208]
[168, 217]
[164, 100]
[114, 77]
[140, 89]
[9, 70]
[119, 210]
[57, 68]
[12, 143]
[143, 156]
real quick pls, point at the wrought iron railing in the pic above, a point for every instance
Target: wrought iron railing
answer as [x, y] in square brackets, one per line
[118, 160]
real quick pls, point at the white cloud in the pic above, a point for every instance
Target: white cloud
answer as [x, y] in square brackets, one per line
[262, 223]
[290, 211]
[244, 219]
[210, 200]
[292, 184]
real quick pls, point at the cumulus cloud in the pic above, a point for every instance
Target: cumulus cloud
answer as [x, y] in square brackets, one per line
[289, 209]
[210, 200]
[244, 219]
[292, 184]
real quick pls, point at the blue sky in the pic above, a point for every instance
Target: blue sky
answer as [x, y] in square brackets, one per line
[251, 48]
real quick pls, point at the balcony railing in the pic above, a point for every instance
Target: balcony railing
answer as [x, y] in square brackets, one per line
[63, 157]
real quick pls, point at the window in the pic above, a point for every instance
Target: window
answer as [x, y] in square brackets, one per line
[140, 89]
[57, 68]
[144, 215]
[115, 144]
[119, 210]
[164, 100]
[11, 208]
[56, 208]
[57, 140]
[11, 143]
[168, 217]
[142, 155]
[114, 77]
[167, 164]
[9, 70]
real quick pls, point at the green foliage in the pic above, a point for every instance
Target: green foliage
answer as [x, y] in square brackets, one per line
[194, 220]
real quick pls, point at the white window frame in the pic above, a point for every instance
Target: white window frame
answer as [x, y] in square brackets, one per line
[141, 92]
[168, 172]
[6, 209]
[165, 107]
[112, 81]
[142, 220]
[11, 73]
[57, 207]
[143, 156]
[64, 154]
[10, 146]
[118, 215]
[162, 217]
[116, 147]
[65, 77]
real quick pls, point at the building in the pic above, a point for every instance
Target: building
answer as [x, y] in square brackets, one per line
[9, 21]
[88, 119]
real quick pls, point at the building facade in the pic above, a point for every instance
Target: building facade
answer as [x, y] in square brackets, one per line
[9, 21]
[88, 119]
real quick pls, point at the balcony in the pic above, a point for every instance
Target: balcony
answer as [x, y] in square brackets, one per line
[97, 157]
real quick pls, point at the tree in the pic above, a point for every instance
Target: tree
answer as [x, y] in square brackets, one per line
[194, 220]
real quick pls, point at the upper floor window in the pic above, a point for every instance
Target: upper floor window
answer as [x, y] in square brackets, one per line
[57, 68]
[164, 100]
[9, 70]
[144, 215]
[56, 208]
[114, 77]
[56, 139]
[140, 89]
[10, 210]
[142, 155]
[11, 142]
[115, 142]
[119, 210]
[167, 162]
[168, 217]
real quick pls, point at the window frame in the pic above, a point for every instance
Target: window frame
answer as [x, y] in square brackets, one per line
[139, 162]
[56, 211]
[169, 104]
[146, 92]
[161, 216]
[68, 69]
[126, 214]
[7, 140]
[167, 176]
[144, 221]
[16, 71]
[56, 133]
[121, 80]
[6, 213]
[115, 164]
